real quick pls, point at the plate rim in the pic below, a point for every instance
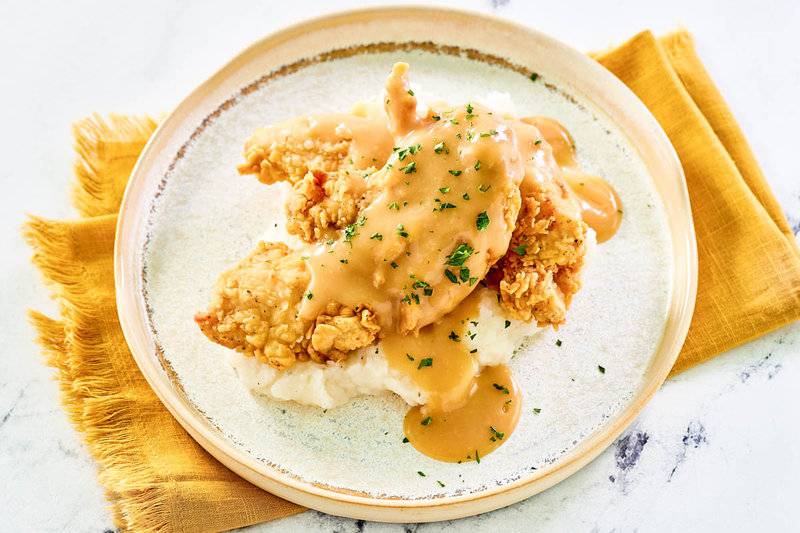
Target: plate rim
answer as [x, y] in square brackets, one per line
[390, 509]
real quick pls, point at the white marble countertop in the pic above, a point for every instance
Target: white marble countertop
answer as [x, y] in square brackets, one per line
[717, 449]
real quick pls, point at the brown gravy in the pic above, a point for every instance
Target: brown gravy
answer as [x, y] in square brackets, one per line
[482, 424]
[600, 205]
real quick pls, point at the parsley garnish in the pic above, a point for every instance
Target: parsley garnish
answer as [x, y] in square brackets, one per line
[410, 357]
[436, 117]
[310, 295]
[452, 277]
[393, 264]
[455, 172]
[409, 168]
[538, 142]
[482, 221]
[520, 250]
[444, 190]
[496, 433]
[508, 323]
[465, 196]
[601, 369]
[421, 473]
[428, 361]
[441, 147]
[426, 421]
[558, 342]
[405, 440]
[350, 231]
[402, 231]
[376, 237]
[534, 76]
[395, 206]
[501, 388]
[484, 187]
[489, 133]
[463, 274]
[440, 483]
[410, 92]
[454, 337]
[459, 255]
[477, 165]
[536, 410]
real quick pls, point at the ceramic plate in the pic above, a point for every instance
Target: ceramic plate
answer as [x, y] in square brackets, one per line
[187, 216]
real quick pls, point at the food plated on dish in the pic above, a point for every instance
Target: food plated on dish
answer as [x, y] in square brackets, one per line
[429, 240]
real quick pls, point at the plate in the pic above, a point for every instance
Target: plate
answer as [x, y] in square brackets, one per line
[187, 216]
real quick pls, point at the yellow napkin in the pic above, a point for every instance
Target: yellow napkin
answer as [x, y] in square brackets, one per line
[158, 479]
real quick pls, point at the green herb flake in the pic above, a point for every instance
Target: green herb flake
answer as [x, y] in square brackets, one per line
[459, 256]
[444, 190]
[452, 277]
[465, 196]
[496, 433]
[534, 76]
[401, 231]
[405, 440]
[344, 261]
[601, 369]
[427, 420]
[455, 172]
[520, 250]
[436, 118]
[501, 388]
[310, 295]
[538, 142]
[428, 361]
[440, 148]
[484, 187]
[477, 165]
[410, 92]
[477, 457]
[409, 168]
[421, 473]
[454, 337]
[376, 237]
[482, 221]
[508, 323]
[558, 342]
[537, 410]
[393, 264]
[395, 206]
[410, 357]
[472, 281]
[463, 274]
[440, 483]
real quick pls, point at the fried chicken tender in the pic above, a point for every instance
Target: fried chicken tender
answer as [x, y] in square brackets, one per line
[255, 306]
[541, 271]
[326, 159]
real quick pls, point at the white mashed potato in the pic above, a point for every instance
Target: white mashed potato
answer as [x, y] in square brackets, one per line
[366, 372]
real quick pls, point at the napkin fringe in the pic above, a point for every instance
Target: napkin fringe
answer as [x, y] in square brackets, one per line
[101, 145]
[90, 394]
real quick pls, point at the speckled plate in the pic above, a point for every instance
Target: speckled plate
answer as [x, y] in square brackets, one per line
[187, 216]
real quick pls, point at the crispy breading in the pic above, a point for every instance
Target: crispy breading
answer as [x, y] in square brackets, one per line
[255, 310]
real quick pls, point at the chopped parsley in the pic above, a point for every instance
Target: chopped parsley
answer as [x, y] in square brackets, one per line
[601, 369]
[393, 264]
[465, 196]
[376, 237]
[477, 165]
[421, 473]
[477, 457]
[501, 388]
[558, 342]
[427, 420]
[428, 361]
[401, 230]
[409, 168]
[410, 92]
[343, 261]
[484, 187]
[538, 142]
[454, 337]
[496, 434]
[537, 410]
[455, 172]
[508, 323]
[482, 221]
[463, 274]
[395, 206]
[410, 357]
[310, 295]
[489, 133]
[534, 76]
[452, 277]
[444, 190]
[350, 231]
[469, 108]
[405, 440]
[436, 118]
[440, 483]
[459, 255]
[520, 250]
[440, 148]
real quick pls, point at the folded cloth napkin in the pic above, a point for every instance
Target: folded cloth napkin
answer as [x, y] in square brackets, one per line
[158, 479]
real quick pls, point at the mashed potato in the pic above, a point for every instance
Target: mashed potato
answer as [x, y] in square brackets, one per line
[366, 371]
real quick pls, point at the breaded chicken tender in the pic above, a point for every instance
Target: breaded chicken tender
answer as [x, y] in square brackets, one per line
[254, 310]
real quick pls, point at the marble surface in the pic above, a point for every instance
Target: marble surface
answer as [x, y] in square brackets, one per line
[715, 450]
